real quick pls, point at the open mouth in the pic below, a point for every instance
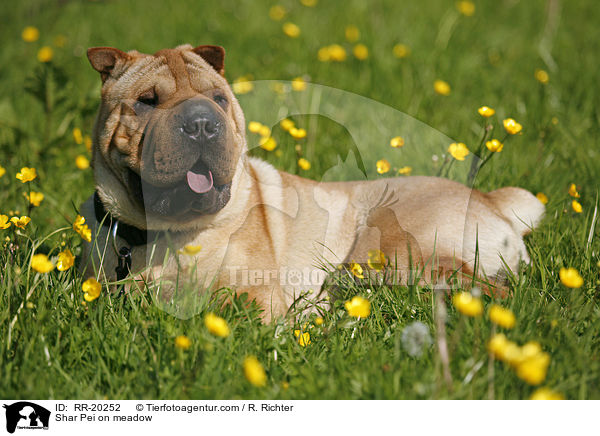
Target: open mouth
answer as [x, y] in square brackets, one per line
[196, 194]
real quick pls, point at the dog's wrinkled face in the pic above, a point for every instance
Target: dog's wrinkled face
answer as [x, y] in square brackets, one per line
[169, 134]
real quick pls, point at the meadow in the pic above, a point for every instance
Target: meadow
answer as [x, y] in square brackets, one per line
[433, 63]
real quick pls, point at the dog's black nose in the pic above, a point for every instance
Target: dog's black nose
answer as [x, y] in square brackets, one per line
[200, 120]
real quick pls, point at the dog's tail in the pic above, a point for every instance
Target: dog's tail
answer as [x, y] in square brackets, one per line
[520, 207]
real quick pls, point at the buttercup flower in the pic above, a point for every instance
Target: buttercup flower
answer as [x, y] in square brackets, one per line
[191, 250]
[358, 307]
[287, 124]
[416, 338]
[458, 151]
[502, 317]
[467, 8]
[573, 191]
[65, 260]
[291, 30]
[467, 304]
[397, 141]
[26, 174]
[2, 171]
[542, 197]
[242, 85]
[77, 135]
[494, 146]
[546, 394]
[34, 198]
[361, 52]
[82, 162]
[401, 51]
[45, 54]
[41, 263]
[377, 260]
[303, 338]
[277, 12]
[352, 33]
[486, 111]
[570, 277]
[4, 222]
[87, 141]
[383, 166]
[20, 222]
[405, 171]
[254, 126]
[82, 229]
[541, 76]
[533, 368]
[333, 52]
[297, 133]
[91, 289]
[298, 84]
[183, 342]
[216, 325]
[304, 164]
[441, 87]
[267, 143]
[319, 320]
[511, 126]
[254, 371]
[576, 206]
[498, 345]
[264, 131]
[356, 270]
[30, 34]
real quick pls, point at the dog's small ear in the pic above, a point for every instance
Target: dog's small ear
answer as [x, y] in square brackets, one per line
[104, 59]
[214, 55]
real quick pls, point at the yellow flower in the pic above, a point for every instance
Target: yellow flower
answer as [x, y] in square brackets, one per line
[30, 34]
[383, 166]
[319, 320]
[298, 84]
[267, 143]
[82, 162]
[91, 289]
[467, 304]
[441, 87]
[297, 133]
[304, 164]
[573, 191]
[26, 174]
[242, 85]
[45, 54]
[34, 198]
[358, 307]
[277, 12]
[497, 345]
[352, 33]
[494, 146]
[357, 270]
[397, 141]
[2, 171]
[254, 126]
[80, 227]
[191, 250]
[467, 8]
[576, 206]
[183, 342]
[334, 52]
[546, 394]
[309, 3]
[486, 111]
[77, 135]
[65, 260]
[361, 52]
[542, 197]
[401, 51]
[405, 171]
[303, 338]
[541, 76]
[502, 317]
[377, 260]
[533, 368]
[216, 325]
[287, 124]
[570, 277]
[41, 263]
[458, 151]
[254, 372]
[4, 222]
[20, 222]
[88, 143]
[264, 131]
[60, 41]
[511, 126]
[291, 30]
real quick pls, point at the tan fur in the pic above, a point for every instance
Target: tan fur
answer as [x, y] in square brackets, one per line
[277, 224]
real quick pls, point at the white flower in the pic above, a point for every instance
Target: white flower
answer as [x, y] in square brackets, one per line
[415, 338]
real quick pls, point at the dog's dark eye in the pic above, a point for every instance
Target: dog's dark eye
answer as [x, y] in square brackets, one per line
[145, 101]
[221, 100]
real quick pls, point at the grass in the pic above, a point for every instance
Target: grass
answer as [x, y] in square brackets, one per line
[124, 348]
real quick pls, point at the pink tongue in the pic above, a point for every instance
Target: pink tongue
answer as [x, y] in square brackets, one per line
[199, 183]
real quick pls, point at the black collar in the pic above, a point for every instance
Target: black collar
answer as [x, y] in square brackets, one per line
[131, 234]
